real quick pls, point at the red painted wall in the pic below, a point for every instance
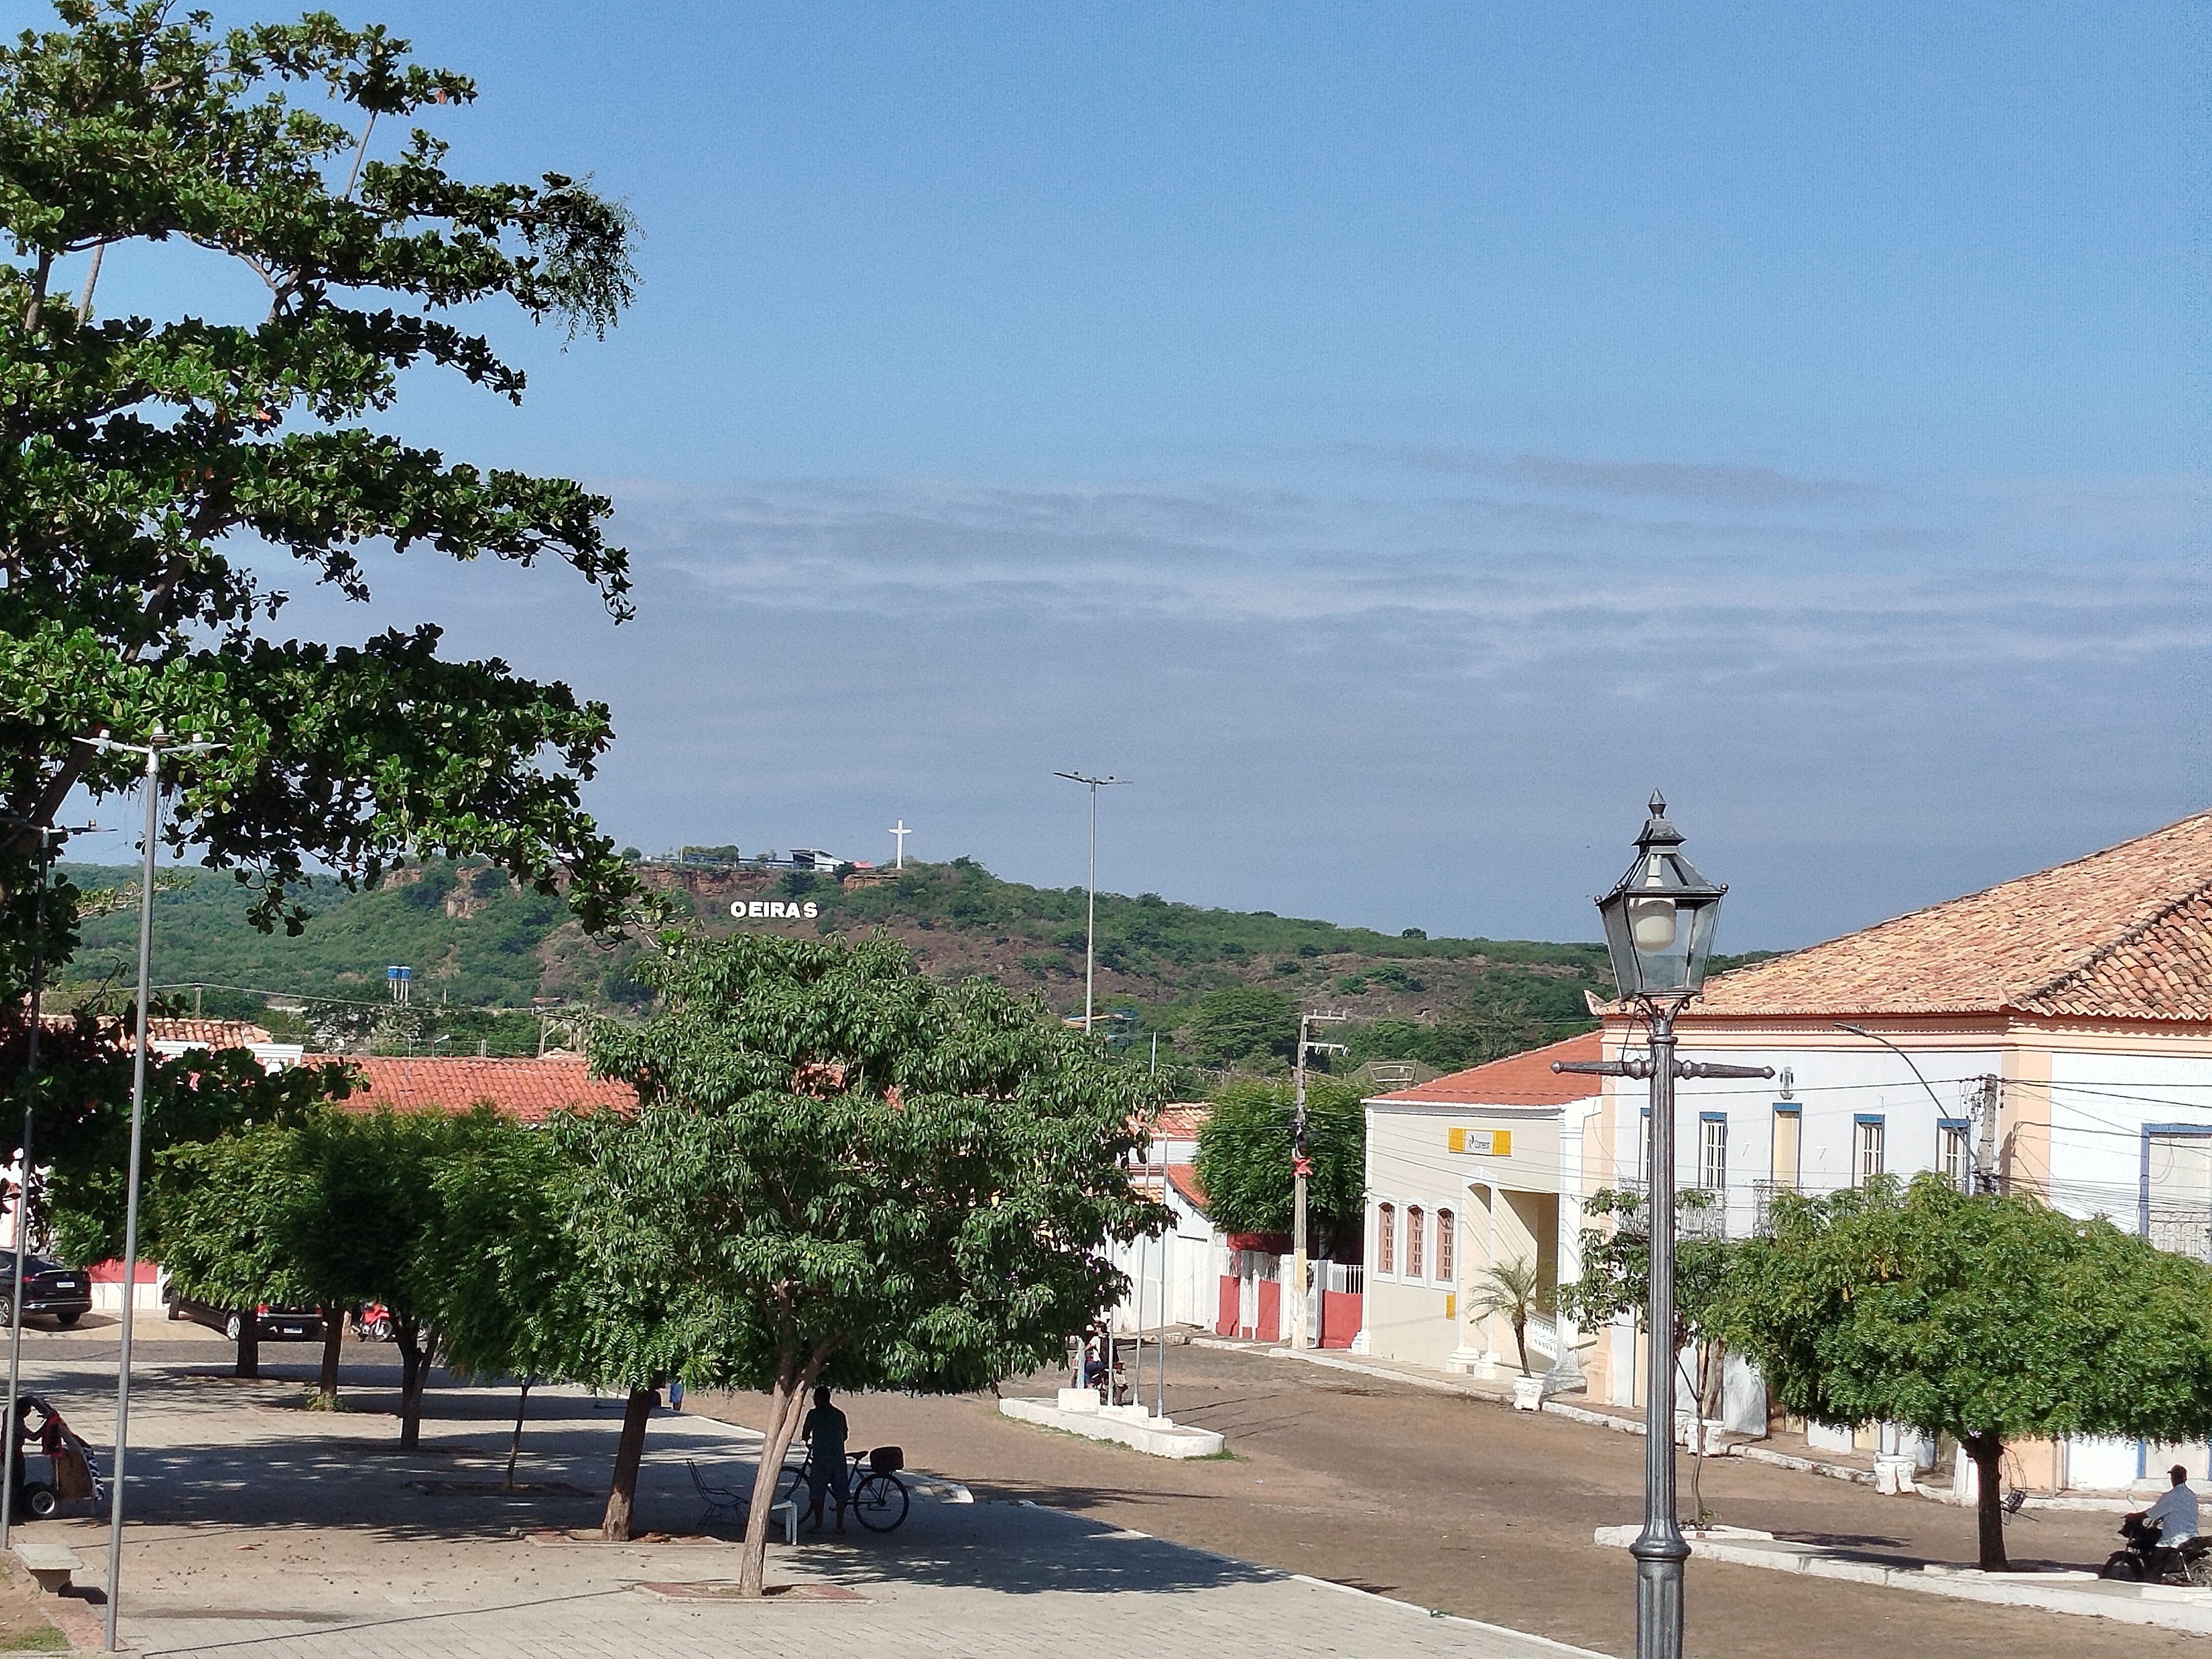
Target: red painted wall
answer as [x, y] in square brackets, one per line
[1340, 1315]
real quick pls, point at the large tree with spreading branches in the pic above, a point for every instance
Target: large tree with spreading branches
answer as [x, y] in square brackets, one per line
[842, 1171]
[161, 474]
[1990, 1318]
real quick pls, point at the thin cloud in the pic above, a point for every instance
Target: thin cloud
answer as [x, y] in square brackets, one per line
[1741, 487]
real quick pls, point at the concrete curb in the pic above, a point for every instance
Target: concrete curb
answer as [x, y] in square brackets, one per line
[1449, 1618]
[1171, 1442]
[2166, 1606]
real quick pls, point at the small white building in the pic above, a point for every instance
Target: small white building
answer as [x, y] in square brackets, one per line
[1476, 1168]
[1188, 1258]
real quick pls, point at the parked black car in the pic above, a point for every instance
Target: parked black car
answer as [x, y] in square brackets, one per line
[50, 1289]
[278, 1324]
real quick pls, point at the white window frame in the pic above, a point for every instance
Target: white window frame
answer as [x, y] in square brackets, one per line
[1950, 1132]
[1863, 1142]
[1707, 1123]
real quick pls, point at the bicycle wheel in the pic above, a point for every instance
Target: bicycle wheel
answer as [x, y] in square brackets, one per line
[879, 1502]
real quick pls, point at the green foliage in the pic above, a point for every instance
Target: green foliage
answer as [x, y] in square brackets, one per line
[1955, 1313]
[219, 1215]
[1240, 1021]
[1987, 1317]
[1516, 1290]
[772, 1201]
[1244, 1159]
[1616, 1265]
[83, 1120]
[152, 462]
[498, 1265]
[489, 956]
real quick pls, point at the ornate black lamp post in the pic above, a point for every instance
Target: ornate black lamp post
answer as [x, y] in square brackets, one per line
[1659, 922]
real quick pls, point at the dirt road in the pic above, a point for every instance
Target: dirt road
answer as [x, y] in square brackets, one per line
[1460, 1505]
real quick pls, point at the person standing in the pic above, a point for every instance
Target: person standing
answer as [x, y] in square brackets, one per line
[827, 1472]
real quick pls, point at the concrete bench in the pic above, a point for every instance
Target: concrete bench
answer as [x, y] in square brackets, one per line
[49, 1564]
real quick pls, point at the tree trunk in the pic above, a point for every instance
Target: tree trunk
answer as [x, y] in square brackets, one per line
[249, 1346]
[793, 1383]
[414, 1372]
[333, 1340]
[1987, 1450]
[1520, 1340]
[622, 1495]
[514, 1441]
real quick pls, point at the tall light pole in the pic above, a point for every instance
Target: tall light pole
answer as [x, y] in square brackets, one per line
[1659, 921]
[1301, 1167]
[1090, 910]
[157, 742]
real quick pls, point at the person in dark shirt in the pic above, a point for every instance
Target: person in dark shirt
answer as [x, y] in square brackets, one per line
[827, 1472]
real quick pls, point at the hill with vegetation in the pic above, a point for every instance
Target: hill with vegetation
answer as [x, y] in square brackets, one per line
[1219, 988]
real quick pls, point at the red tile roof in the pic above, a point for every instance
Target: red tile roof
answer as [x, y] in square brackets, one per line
[2123, 933]
[208, 1033]
[525, 1089]
[1525, 1079]
[1183, 1177]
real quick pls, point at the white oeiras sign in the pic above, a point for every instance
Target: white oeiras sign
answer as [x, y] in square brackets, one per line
[775, 909]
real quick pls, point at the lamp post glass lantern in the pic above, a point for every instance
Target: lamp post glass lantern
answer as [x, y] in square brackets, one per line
[1659, 919]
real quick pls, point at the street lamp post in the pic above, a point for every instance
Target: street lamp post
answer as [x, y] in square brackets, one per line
[157, 743]
[1090, 887]
[1659, 923]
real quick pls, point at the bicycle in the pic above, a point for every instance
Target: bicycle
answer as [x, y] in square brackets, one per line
[879, 1498]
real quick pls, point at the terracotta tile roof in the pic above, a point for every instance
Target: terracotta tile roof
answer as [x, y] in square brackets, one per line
[525, 1089]
[1525, 1079]
[2125, 933]
[208, 1033]
[1181, 1120]
[1181, 1176]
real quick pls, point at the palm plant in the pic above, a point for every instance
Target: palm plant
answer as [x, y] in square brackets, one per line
[1515, 1289]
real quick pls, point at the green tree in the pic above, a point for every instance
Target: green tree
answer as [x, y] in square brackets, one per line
[150, 460]
[499, 1268]
[841, 1170]
[219, 1214]
[1516, 1289]
[357, 1228]
[1243, 1162]
[1615, 1283]
[1986, 1318]
[1238, 1022]
[81, 1126]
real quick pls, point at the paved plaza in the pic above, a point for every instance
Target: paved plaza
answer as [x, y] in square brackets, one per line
[260, 1530]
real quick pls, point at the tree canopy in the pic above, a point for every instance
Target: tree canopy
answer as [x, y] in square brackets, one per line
[842, 1171]
[1244, 1158]
[152, 463]
[1987, 1317]
[1238, 1022]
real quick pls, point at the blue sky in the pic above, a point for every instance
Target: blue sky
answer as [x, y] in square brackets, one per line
[1396, 437]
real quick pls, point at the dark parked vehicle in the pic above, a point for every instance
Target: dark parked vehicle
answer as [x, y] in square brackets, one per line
[278, 1324]
[50, 1289]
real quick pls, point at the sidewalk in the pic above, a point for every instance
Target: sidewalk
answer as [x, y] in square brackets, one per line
[267, 1531]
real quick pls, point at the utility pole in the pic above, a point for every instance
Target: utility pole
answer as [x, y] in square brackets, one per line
[1301, 1167]
[1090, 887]
[156, 742]
[1985, 1108]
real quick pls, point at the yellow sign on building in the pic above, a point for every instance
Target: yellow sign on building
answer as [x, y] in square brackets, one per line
[1482, 1143]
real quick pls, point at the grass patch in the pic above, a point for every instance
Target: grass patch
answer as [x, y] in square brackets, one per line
[1225, 1455]
[45, 1639]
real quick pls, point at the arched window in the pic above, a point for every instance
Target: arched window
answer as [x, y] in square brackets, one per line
[1444, 1243]
[1386, 1239]
[1413, 1267]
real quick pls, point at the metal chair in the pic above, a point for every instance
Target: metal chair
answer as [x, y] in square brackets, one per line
[721, 1503]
